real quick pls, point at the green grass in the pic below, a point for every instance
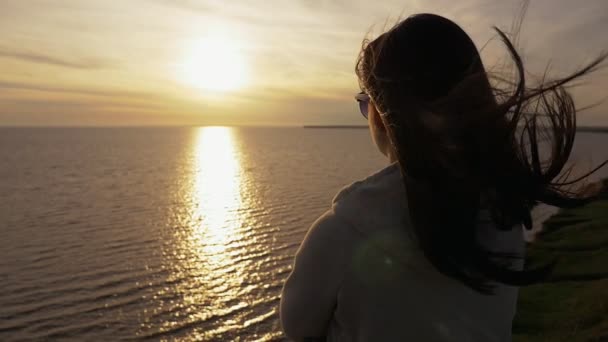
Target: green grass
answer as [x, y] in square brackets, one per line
[572, 305]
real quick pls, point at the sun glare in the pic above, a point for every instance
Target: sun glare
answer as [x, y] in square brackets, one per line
[214, 63]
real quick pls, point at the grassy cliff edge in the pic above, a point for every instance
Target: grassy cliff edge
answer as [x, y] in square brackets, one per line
[573, 304]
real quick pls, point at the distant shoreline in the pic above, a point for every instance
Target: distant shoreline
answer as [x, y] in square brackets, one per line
[593, 129]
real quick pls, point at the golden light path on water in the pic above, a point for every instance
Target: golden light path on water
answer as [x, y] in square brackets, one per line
[216, 200]
[217, 260]
[217, 192]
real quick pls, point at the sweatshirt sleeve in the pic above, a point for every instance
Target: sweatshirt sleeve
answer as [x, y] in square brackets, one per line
[309, 295]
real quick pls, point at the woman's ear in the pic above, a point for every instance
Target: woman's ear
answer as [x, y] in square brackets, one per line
[379, 133]
[376, 118]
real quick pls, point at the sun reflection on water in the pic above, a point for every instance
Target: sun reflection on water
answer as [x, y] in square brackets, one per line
[216, 287]
[208, 270]
[216, 191]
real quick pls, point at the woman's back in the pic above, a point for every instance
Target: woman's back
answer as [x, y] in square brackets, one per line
[431, 248]
[376, 282]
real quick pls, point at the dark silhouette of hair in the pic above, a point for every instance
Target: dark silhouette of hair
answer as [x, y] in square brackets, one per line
[464, 146]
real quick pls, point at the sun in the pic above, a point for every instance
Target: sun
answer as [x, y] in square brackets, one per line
[214, 63]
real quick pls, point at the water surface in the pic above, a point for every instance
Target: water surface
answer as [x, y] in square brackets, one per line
[166, 233]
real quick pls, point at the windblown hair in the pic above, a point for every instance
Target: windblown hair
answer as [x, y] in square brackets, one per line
[465, 146]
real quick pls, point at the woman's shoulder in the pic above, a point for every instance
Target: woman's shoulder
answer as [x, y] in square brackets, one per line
[377, 183]
[379, 198]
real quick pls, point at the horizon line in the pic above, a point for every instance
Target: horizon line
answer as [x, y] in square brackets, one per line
[583, 128]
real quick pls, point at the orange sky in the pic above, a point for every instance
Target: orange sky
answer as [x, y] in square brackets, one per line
[82, 63]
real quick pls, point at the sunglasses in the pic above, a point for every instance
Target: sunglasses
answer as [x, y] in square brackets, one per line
[363, 100]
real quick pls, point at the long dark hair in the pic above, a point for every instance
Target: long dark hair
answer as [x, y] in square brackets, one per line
[464, 146]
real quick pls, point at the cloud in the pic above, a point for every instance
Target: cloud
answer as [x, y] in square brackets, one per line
[35, 57]
[301, 53]
[188, 5]
[30, 100]
[83, 106]
[75, 91]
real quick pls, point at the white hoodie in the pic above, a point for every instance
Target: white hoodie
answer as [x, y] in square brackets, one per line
[359, 276]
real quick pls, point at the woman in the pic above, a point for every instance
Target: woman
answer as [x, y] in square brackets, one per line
[431, 247]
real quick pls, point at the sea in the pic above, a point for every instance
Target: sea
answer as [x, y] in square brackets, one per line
[110, 234]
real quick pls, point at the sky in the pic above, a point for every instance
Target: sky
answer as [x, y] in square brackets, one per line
[291, 62]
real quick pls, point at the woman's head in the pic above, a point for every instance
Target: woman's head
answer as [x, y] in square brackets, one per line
[409, 71]
[421, 58]
[457, 141]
